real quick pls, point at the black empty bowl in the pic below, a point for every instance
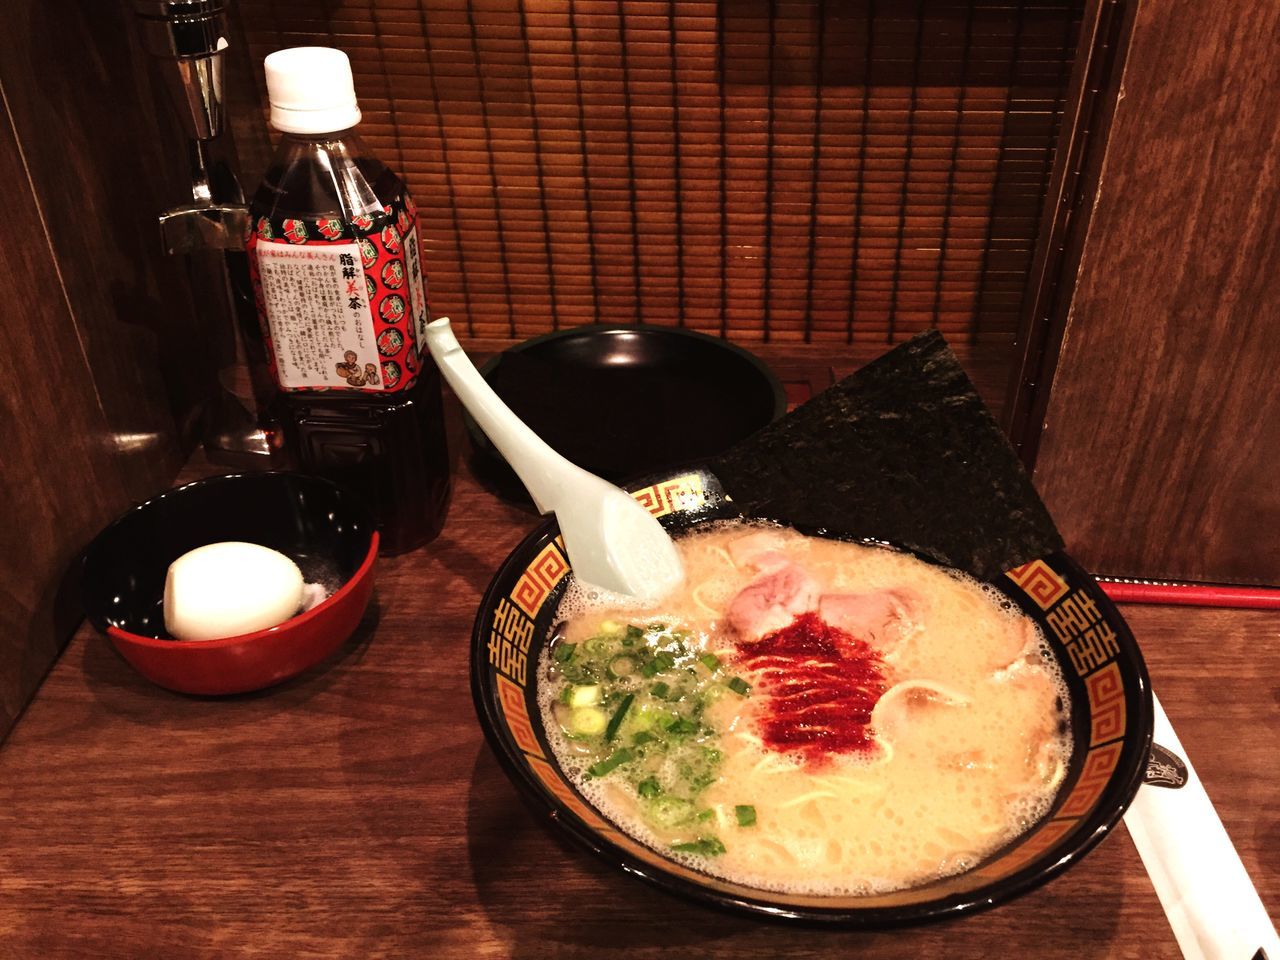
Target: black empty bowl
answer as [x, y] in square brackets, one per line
[624, 401]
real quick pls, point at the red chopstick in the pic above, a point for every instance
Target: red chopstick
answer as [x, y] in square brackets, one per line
[1190, 594]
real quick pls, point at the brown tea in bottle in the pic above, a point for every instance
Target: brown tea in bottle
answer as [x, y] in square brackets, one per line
[337, 274]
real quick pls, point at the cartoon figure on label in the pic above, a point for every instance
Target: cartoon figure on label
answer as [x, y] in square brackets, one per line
[393, 275]
[390, 341]
[392, 309]
[391, 240]
[264, 229]
[368, 253]
[356, 377]
[362, 222]
[330, 228]
[370, 287]
[295, 231]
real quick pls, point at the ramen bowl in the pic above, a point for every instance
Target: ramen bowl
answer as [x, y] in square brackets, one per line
[326, 529]
[1110, 726]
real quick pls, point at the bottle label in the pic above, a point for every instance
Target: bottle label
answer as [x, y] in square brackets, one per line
[343, 304]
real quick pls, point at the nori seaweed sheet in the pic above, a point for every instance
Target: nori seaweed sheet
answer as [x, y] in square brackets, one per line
[903, 451]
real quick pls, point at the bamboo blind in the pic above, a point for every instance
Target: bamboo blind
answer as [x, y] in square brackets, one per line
[823, 170]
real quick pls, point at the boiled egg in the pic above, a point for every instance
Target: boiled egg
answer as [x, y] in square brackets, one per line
[229, 588]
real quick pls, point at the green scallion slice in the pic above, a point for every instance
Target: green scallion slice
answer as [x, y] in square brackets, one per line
[564, 652]
[709, 660]
[622, 666]
[596, 646]
[746, 815]
[703, 846]
[614, 760]
[649, 787]
[615, 721]
[682, 725]
[739, 686]
[660, 689]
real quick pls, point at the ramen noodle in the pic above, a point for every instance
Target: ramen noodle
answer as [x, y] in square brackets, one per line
[809, 715]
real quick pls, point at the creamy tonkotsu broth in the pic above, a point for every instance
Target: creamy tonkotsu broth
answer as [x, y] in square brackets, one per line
[809, 715]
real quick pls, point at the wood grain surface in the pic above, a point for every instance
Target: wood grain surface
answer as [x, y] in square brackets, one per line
[50, 415]
[356, 811]
[96, 324]
[1161, 441]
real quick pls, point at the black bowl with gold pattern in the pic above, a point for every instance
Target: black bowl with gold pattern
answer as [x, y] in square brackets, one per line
[1111, 720]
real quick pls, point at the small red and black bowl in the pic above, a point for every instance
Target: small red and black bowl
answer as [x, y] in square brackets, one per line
[1110, 708]
[329, 531]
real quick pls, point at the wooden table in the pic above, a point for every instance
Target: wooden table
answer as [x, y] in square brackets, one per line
[356, 811]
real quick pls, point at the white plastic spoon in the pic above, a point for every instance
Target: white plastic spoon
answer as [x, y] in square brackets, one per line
[613, 542]
[1206, 892]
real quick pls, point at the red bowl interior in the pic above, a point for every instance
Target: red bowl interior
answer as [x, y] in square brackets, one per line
[322, 526]
[255, 660]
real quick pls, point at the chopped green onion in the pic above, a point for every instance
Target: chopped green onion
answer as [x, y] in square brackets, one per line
[709, 660]
[586, 721]
[634, 632]
[586, 695]
[596, 645]
[649, 787]
[703, 846]
[746, 815]
[660, 662]
[622, 666]
[739, 686]
[564, 652]
[670, 811]
[682, 725]
[657, 627]
[660, 689]
[615, 759]
[643, 737]
[704, 815]
[616, 720]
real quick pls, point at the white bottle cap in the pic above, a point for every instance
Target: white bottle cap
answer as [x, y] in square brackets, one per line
[311, 90]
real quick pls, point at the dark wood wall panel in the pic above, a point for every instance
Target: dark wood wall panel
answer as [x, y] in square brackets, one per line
[97, 327]
[1161, 444]
[820, 171]
[59, 474]
[106, 155]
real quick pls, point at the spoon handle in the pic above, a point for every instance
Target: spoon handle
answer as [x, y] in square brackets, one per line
[539, 467]
[1205, 891]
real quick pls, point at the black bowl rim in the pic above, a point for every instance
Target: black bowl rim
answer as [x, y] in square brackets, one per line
[480, 442]
[1022, 881]
[99, 621]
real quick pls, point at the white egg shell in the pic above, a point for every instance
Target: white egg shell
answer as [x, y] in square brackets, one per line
[226, 589]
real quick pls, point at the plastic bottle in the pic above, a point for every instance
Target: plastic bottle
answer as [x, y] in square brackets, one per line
[337, 275]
